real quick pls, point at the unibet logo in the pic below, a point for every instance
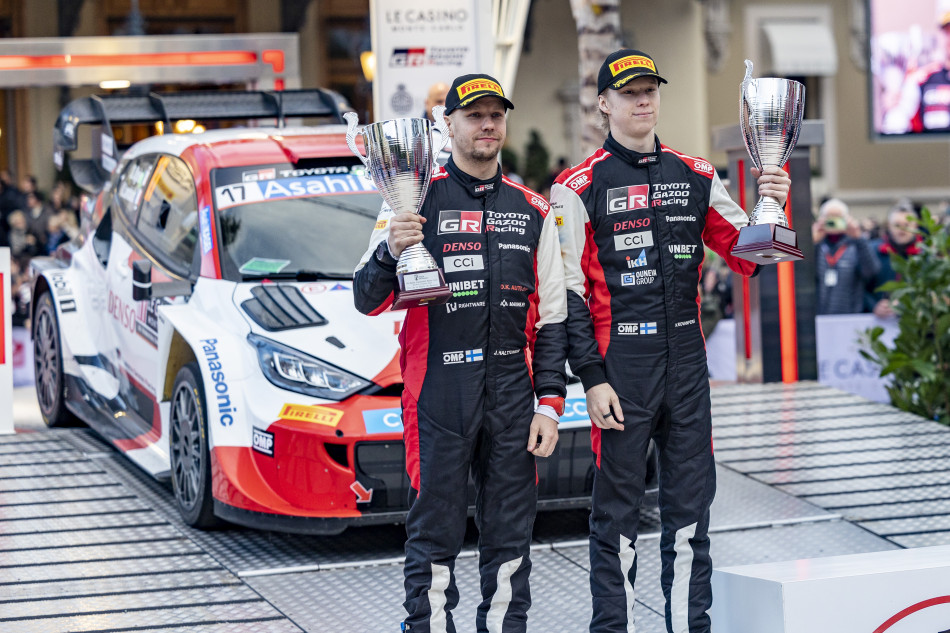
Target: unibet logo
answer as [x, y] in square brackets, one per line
[682, 251]
[460, 222]
[628, 241]
[627, 198]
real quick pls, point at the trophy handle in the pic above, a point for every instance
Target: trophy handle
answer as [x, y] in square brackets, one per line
[438, 113]
[351, 122]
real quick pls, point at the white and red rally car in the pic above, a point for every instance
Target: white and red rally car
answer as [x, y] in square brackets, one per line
[203, 322]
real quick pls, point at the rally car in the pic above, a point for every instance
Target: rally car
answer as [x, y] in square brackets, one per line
[203, 321]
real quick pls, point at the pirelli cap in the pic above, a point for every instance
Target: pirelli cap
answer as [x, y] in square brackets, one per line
[624, 65]
[467, 88]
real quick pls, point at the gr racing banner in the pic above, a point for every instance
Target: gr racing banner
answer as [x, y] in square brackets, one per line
[420, 42]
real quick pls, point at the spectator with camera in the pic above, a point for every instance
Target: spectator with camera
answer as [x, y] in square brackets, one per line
[845, 262]
[900, 238]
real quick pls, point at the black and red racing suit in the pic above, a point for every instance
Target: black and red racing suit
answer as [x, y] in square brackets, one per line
[468, 402]
[632, 229]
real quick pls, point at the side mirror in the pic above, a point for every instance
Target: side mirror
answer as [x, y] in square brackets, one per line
[141, 280]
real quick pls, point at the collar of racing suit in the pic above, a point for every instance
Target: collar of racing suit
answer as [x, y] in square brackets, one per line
[636, 159]
[475, 187]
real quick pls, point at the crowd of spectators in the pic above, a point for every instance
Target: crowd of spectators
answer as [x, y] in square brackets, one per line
[33, 224]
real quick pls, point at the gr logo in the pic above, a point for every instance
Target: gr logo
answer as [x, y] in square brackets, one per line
[627, 198]
[458, 263]
[628, 241]
[460, 222]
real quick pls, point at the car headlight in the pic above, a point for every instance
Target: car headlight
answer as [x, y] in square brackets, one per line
[290, 369]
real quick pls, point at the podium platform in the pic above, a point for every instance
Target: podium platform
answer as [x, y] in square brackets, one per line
[87, 542]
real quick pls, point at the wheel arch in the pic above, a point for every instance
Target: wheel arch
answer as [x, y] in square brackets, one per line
[180, 354]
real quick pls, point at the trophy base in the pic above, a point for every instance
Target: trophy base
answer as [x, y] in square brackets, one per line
[767, 244]
[421, 288]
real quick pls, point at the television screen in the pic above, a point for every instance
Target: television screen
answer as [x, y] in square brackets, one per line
[908, 71]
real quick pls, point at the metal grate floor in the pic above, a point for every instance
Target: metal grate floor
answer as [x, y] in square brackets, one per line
[89, 543]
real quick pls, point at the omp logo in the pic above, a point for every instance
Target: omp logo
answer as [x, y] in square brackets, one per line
[221, 391]
[478, 85]
[457, 263]
[630, 61]
[627, 198]
[702, 166]
[627, 241]
[635, 329]
[541, 203]
[468, 356]
[262, 442]
[461, 246]
[460, 222]
[578, 181]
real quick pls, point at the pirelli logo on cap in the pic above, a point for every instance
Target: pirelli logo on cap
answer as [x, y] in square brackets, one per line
[479, 85]
[631, 61]
[311, 413]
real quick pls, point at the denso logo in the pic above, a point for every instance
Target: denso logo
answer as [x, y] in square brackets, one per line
[627, 198]
[578, 181]
[626, 225]
[460, 222]
[461, 246]
[702, 167]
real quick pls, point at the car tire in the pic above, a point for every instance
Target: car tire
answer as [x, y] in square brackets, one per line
[189, 450]
[48, 365]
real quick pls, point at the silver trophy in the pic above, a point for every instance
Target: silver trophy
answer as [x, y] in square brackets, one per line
[400, 156]
[770, 117]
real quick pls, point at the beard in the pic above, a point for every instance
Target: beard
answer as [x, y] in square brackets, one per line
[484, 155]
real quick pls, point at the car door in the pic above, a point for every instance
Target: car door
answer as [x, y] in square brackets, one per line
[165, 232]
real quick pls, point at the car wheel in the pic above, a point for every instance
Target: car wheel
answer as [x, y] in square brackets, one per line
[188, 446]
[48, 365]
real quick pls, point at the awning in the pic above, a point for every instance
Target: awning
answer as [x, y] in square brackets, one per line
[800, 48]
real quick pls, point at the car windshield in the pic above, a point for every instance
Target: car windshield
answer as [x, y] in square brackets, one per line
[294, 221]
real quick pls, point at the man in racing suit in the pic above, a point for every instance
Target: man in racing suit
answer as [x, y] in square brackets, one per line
[471, 366]
[633, 220]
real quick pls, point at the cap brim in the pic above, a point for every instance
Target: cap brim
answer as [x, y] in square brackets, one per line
[623, 81]
[473, 99]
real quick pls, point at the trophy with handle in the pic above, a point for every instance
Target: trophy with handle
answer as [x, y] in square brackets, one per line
[400, 156]
[770, 117]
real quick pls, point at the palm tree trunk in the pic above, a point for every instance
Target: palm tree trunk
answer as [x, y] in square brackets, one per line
[598, 35]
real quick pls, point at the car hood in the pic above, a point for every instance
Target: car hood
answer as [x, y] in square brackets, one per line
[319, 319]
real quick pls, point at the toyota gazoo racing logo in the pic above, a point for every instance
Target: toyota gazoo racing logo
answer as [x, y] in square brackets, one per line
[507, 222]
[460, 222]
[627, 198]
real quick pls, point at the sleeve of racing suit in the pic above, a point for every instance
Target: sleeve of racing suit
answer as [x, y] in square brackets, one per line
[550, 344]
[583, 353]
[724, 218]
[374, 282]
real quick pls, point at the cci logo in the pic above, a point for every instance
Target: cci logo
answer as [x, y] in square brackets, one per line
[457, 263]
[627, 198]
[628, 241]
[382, 421]
[575, 410]
[460, 222]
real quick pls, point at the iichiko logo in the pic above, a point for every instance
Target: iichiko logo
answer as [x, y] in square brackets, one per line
[631, 61]
[478, 85]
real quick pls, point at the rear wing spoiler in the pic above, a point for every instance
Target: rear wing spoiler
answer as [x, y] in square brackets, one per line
[92, 173]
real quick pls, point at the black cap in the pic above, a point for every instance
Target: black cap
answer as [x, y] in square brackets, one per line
[624, 65]
[468, 88]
